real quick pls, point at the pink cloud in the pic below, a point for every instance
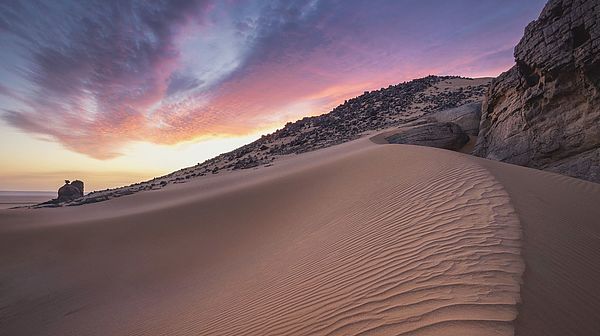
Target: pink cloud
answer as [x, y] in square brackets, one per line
[116, 75]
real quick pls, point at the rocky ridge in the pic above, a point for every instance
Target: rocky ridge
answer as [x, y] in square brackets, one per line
[545, 111]
[403, 104]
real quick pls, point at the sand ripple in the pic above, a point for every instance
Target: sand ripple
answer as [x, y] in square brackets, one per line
[390, 240]
[437, 254]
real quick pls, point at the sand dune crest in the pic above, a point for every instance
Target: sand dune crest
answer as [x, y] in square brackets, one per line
[380, 240]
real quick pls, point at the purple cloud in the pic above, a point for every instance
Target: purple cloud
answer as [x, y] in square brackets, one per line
[95, 75]
[99, 69]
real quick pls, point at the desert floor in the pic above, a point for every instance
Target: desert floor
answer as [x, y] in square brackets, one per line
[356, 239]
[12, 199]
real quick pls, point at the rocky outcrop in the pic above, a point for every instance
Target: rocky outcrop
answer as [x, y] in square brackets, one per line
[545, 111]
[466, 116]
[444, 135]
[70, 191]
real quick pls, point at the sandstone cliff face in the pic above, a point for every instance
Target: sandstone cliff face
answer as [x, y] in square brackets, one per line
[545, 111]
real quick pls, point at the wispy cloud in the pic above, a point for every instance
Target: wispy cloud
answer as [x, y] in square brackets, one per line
[96, 75]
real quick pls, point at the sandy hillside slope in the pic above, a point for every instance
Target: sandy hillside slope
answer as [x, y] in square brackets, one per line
[353, 239]
[373, 111]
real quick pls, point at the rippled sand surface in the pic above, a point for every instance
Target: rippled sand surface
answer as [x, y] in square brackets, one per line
[356, 239]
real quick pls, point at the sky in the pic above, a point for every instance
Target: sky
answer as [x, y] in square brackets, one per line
[117, 91]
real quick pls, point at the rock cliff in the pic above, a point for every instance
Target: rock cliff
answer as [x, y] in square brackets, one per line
[545, 111]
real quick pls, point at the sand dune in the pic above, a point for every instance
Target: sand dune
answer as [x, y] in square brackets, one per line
[560, 217]
[356, 239]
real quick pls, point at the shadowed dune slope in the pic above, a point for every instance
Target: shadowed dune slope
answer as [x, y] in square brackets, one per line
[560, 219]
[356, 239]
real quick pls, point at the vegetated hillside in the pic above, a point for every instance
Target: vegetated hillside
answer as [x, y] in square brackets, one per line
[374, 110]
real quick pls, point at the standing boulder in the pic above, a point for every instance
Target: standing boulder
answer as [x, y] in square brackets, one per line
[70, 191]
[79, 185]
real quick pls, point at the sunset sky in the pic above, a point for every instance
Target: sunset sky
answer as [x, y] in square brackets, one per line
[117, 91]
